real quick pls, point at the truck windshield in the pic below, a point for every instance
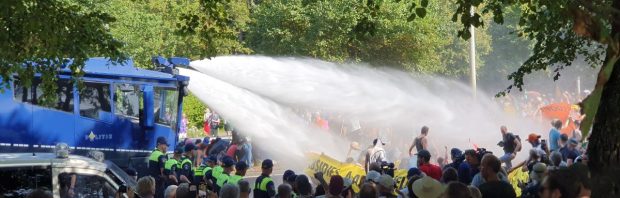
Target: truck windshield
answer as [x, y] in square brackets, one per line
[166, 105]
[117, 173]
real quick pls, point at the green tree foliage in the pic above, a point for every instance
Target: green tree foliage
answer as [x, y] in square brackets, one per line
[194, 109]
[352, 31]
[38, 35]
[563, 30]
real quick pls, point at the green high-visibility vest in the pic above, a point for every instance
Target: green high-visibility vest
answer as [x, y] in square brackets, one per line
[170, 163]
[155, 155]
[222, 179]
[234, 179]
[217, 171]
[262, 186]
[201, 170]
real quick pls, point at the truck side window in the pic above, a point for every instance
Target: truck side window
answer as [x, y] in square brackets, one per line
[64, 95]
[91, 186]
[166, 102]
[95, 97]
[127, 100]
[19, 181]
[21, 92]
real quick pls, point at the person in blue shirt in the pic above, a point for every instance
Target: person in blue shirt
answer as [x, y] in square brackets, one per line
[554, 135]
[458, 163]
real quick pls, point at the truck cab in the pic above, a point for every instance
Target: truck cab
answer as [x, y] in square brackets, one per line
[120, 110]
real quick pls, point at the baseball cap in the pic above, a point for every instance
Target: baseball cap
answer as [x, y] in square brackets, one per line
[372, 175]
[178, 150]
[413, 172]
[456, 153]
[241, 165]
[348, 182]
[267, 164]
[427, 187]
[386, 181]
[189, 147]
[228, 162]
[573, 141]
[162, 140]
[212, 158]
[424, 153]
[539, 170]
[533, 137]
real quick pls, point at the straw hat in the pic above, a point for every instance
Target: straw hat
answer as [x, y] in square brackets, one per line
[427, 187]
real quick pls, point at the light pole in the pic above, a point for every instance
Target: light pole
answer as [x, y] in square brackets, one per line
[472, 54]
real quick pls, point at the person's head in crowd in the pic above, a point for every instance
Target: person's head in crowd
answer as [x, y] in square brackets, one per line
[375, 166]
[171, 191]
[368, 190]
[285, 191]
[244, 189]
[424, 157]
[534, 139]
[267, 167]
[449, 174]
[560, 183]
[456, 154]
[183, 191]
[303, 186]
[146, 187]
[378, 142]
[503, 130]
[489, 167]
[372, 175]
[197, 142]
[424, 130]
[414, 172]
[457, 190]
[229, 191]
[538, 173]
[410, 182]
[286, 175]
[211, 161]
[474, 192]
[583, 175]
[556, 124]
[190, 150]
[427, 187]
[472, 158]
[385, 184]
[228, 164]
[336, 185]
[440, 161]
[563, 139]
[556, 158]
[162, 144]
[132, 173]
[39, 193]
[241, 168]
[573, 143]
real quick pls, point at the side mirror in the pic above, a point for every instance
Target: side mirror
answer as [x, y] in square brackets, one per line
[148, 119]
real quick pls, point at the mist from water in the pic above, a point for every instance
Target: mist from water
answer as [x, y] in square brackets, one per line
[379, 97]
[274, 128]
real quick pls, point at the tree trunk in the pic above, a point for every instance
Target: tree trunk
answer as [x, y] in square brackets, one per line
[604, 142]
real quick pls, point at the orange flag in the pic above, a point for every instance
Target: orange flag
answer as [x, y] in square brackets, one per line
[559, 111]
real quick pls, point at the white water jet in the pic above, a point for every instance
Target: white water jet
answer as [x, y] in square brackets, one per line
[383, 97]
[274, 128]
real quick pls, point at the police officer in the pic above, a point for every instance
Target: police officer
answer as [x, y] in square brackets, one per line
[157, 162]
[264, 187]
[171, 166]
[186, 171]
[228, 164]
[240, 169]
[208, 172]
